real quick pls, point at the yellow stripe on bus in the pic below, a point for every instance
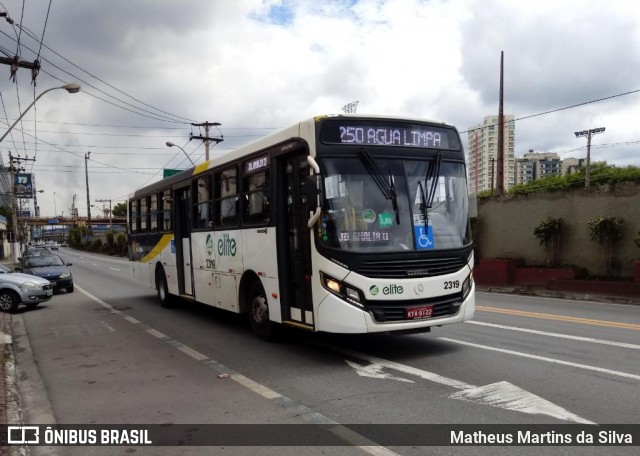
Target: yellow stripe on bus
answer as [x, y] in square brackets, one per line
[158, 248]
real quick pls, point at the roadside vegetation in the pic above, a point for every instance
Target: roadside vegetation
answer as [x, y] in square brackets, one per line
[601, 174]
[108, 244]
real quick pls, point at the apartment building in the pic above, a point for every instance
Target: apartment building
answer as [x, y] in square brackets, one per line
[536, 165]
[483, 152]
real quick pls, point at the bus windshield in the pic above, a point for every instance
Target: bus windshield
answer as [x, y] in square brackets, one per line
[374, 204]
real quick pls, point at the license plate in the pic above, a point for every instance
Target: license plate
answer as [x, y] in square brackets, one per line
[49, 292]
[420, 312]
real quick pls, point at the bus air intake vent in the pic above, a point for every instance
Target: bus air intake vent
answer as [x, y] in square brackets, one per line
[410, 269]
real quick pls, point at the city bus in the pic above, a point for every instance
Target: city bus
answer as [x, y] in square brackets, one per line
[339, 223]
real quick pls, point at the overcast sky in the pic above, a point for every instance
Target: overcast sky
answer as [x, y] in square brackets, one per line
[148, 68]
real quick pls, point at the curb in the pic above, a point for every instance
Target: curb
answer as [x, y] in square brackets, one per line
[544, 293]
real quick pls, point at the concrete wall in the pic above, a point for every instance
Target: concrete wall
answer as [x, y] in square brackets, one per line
[504, 227]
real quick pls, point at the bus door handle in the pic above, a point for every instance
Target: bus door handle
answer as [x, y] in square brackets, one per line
[262, 230]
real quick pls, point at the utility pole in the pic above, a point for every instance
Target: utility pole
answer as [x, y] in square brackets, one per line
[500, 161]
[86, 174]
[492, 160]
[110, 218]
[14, 166]
[206, 138]
[588, 134]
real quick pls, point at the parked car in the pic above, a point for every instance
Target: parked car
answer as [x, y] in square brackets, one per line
[17, 288]
[36, 250]
[50, 267]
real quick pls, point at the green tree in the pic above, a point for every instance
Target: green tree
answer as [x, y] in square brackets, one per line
[606, 231]
[548, 233]
[119, 210]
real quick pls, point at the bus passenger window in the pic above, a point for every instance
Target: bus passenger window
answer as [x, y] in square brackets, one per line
[202, 202]
[227, 200]
[153, 225]
[256, 207]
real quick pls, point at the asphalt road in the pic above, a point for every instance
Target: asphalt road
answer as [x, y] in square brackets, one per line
[108, 353]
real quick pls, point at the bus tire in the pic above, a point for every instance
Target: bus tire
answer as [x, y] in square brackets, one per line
[163, 289]
[261, 325]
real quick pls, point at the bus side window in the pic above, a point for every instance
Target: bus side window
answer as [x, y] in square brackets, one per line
[227, 200]
[202, 202]
[256, 207]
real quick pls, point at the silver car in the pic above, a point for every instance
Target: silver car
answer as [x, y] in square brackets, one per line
[17, 288]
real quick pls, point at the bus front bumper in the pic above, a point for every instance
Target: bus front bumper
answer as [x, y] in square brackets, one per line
[337, 316]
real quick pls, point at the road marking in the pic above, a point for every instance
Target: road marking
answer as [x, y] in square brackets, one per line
[544, 358]
[375, 371]
[303, 411]
[560, 336]
[500, 394]
[157, 334]
[585, 321]
[114, 269]
[131, 319]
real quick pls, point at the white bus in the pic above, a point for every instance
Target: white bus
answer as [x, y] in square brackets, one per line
[342, 224]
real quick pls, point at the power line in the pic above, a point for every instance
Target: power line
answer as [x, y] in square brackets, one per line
[562, 109]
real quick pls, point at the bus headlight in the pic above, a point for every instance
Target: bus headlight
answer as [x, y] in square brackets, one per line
[345, 291]
[466, 286]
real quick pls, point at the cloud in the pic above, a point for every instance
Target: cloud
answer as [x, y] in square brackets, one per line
[259, 65]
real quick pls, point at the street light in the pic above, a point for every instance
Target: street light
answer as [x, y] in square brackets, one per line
[170, 144]
[71, 88]
[588, 134]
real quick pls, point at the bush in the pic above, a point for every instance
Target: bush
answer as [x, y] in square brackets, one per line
[606, 231]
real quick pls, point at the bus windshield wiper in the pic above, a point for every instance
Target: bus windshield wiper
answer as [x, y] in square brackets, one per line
[388, 189]
[433, 173]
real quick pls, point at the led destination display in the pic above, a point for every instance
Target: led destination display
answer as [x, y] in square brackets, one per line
[422, 136]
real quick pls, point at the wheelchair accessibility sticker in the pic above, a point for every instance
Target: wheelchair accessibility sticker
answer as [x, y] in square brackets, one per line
[424, 240]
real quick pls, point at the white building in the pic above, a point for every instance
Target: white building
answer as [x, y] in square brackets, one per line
[536, 165]
[483, 153]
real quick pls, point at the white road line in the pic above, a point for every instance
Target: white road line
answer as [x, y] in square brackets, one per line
[130, 319]
[193, 353]
[308, 415]
[544, 358]
[114, 269]
[157, 334]
[560, 336]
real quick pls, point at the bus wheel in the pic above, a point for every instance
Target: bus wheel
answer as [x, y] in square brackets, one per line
[262, 326]
[163, 289]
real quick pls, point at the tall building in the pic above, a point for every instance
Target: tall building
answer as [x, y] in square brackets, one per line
[536, 165]
[483, 153]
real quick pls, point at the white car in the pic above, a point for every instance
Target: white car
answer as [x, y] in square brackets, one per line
[17, 288]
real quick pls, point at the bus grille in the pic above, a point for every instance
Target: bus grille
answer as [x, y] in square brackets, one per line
[410, 269]
[443, 306]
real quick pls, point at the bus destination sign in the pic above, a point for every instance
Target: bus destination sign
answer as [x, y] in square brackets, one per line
[256, 164]
[396, 136]
[409, 135]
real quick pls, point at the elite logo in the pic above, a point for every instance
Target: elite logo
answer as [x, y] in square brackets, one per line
[392, 289]
[226, 246]
[209, 245]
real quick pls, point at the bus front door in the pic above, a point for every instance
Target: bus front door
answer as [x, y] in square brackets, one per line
[294, 259]
[183, 241]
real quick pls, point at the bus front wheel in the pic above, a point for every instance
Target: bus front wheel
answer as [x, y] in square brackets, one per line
[261, 325]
